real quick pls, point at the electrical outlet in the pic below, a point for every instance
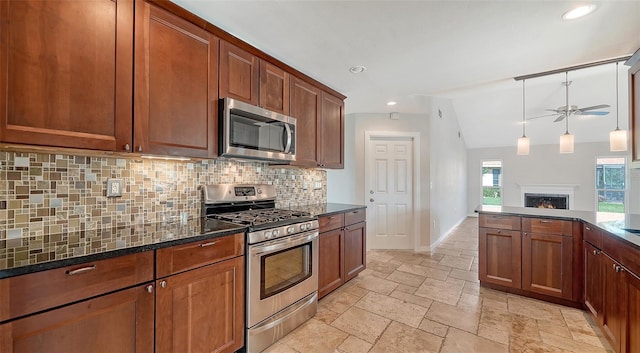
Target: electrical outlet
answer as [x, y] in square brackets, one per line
[114, 187]
[317, 185]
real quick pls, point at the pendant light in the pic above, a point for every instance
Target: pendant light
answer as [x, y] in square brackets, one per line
[617, 137]
[566, 140]
[523, 142]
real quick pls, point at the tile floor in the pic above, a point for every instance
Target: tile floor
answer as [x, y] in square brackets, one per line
[406, 302]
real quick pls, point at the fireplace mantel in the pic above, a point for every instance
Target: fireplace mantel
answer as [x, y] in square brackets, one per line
[560, 189]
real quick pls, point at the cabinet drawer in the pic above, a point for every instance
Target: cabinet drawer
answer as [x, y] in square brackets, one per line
[499, 221]
[547, 226]
[331, 222]
[47, 289]
[192, 255]
[355, 216]
[593, 235]
[626, 254]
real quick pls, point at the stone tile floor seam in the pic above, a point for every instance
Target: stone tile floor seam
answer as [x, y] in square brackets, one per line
[408, 302]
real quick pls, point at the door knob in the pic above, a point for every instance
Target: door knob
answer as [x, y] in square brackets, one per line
[371, 192]
[371, 200]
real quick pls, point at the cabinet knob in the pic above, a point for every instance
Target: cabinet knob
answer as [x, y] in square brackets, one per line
[595, 252]
[163, 284]
[140, 148]
[618, 268]
[587, 228]
[150, 288]
[525, 234]
[499, 231]
[127, 147]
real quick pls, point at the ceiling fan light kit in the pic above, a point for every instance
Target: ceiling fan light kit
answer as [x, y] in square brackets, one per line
[523, 142]
[617, 137]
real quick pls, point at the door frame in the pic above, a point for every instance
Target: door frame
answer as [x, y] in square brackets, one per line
[415, 137]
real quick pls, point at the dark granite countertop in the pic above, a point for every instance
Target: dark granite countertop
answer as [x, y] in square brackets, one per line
[33, 254]
[616, 224]
[326, 209]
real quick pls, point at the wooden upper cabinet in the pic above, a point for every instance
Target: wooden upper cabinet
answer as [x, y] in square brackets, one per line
[634, 112]
[274, 88]
[239, 72]
[66, 77]
[306, 108]
[176, 76]
[331, 132]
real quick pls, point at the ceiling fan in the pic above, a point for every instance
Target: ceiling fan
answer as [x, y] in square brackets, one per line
[567, 110]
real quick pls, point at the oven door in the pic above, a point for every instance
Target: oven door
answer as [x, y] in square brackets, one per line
[281, 272]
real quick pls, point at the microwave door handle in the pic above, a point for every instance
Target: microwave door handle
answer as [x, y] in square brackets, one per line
[287, 130]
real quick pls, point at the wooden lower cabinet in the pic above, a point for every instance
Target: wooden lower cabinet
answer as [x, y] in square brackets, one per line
[593, 281]
[613, 299]
[331, 261]
[500, 257]
[547, 261]
[342, 249]
[631, 341]
[118, 322]
[202, 310]
[354, 250]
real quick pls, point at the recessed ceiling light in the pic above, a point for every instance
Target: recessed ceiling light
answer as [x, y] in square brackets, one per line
[578, 12]
[391, 103]
[357, 69]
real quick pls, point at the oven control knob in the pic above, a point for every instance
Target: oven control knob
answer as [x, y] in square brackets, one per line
[291, 230]
[302, 227]
[275, 233]
[268, 234]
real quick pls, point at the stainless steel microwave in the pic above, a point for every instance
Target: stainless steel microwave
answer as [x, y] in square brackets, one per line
[250, 132]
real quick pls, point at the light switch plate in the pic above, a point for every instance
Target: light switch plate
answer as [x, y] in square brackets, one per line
[114, 187]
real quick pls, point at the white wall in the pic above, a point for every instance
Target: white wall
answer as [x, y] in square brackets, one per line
[448, 170]
[443, 166]
[544, 165]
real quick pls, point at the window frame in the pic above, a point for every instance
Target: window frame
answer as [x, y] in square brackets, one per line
[501, 179]
[625, 190]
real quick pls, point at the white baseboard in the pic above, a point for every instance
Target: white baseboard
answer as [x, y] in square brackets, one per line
[444, 236]
[474, 214]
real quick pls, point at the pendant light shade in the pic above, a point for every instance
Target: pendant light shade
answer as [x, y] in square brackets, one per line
[617, 137]
[523, 146]
[566, 143]
[523, 142]
[618, 140]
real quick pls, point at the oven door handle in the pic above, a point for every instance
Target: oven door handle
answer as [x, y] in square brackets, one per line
[289, 242]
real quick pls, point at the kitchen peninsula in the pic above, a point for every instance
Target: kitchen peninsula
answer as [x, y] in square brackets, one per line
[576, 258]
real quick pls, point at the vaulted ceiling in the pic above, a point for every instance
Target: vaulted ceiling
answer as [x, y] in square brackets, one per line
[468, 51]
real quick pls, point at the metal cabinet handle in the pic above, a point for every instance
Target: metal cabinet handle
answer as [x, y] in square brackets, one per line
[140, 148]
[525, 234]
[595, 252]
[346, 228]
[204, 245]
[354, 212]
[546, 221]
[163, 284]
[587, 228]
[499, 231]
[81, 270]
[127, 147]
[150, 288]
[332, 217]
[618, 268]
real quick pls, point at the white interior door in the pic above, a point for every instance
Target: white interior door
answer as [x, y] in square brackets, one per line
[389, 182]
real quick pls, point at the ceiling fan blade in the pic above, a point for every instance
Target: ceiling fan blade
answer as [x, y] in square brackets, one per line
[594, 107]
[560, 118]
[542, 116]
[592, 113]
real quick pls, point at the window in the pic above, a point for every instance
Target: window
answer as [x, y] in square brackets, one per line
[492, 183]
[610, 184]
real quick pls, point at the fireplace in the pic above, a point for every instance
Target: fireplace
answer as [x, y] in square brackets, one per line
[557, 201]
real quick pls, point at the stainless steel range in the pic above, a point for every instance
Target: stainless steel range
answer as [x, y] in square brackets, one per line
[282, 259]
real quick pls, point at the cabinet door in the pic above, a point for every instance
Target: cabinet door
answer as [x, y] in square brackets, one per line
[500, 257]
[202, 309]
[117, 322]
[305, 107]
[274, 88]
[239, 71]
[547, 261]
[614, 295]
[593, 281]
[330, 261]
[632, 321]
[355, 250]
[331, 132]
[175, 85]
[66, 73]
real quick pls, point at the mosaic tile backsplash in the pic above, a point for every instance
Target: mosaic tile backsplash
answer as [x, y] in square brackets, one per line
[42, 195]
